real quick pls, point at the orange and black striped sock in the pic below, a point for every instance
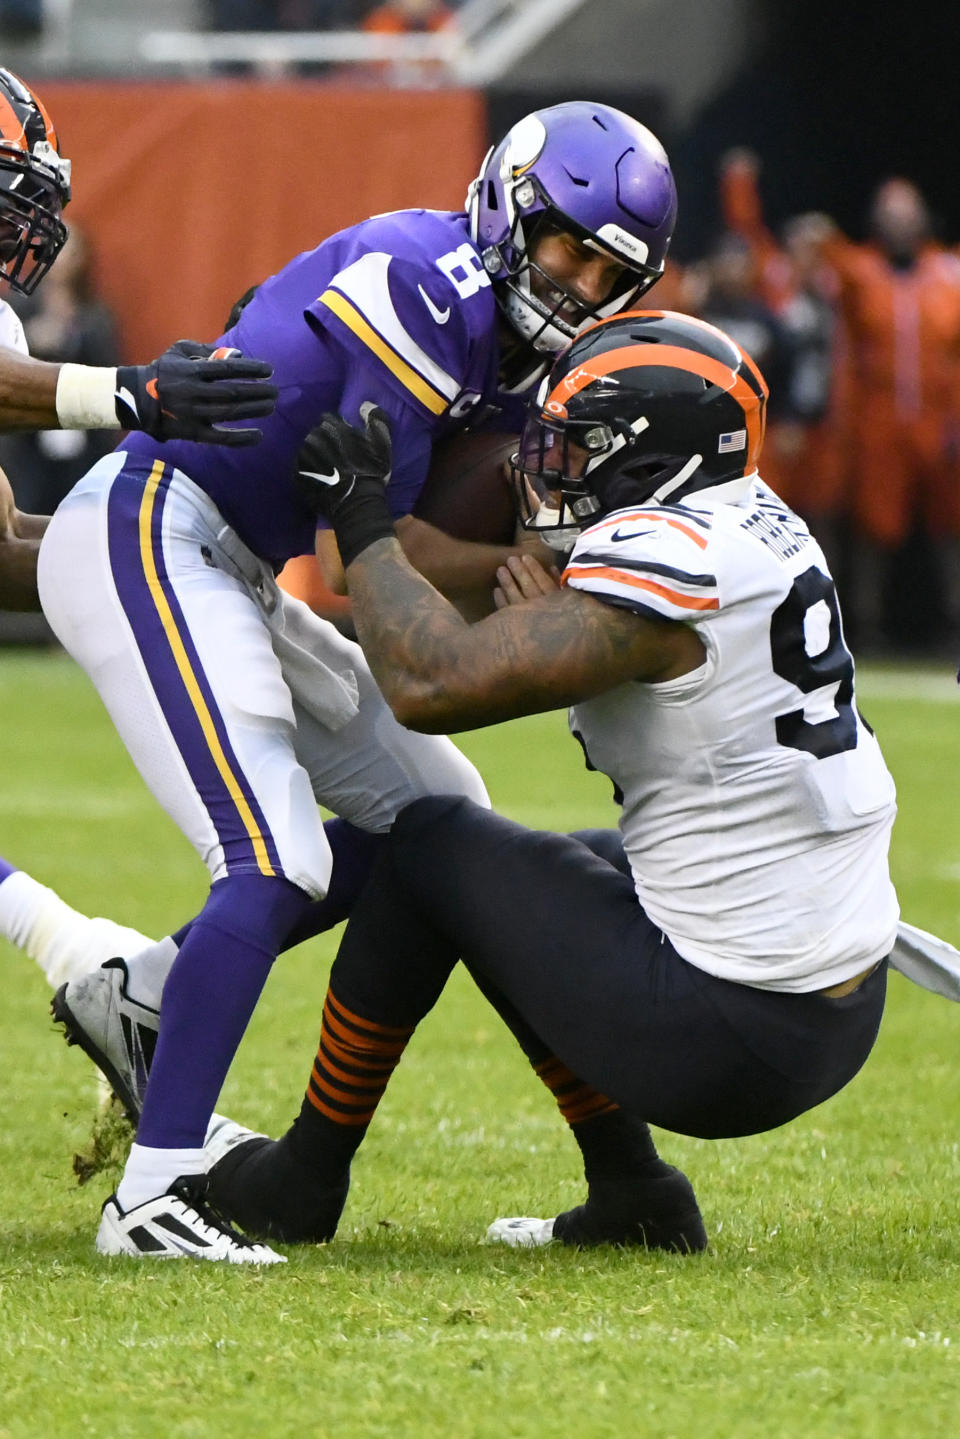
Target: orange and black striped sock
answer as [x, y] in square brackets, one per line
[612, 1142]
[575, 1100]
[354, 1062]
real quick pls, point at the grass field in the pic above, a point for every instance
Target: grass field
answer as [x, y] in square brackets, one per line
[828, 1305]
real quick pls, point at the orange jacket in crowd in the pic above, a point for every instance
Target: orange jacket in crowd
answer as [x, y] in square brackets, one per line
[904, 324]
[808, 466]
[904, 328]
[407, 17]
[392, 18]
[742, 211]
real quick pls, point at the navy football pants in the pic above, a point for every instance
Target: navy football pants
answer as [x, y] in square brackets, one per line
[558, 932]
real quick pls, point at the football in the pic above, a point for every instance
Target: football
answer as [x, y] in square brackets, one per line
[467, 491]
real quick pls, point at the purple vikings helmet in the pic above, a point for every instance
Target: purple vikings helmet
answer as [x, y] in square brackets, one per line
[34, 187]
[583, 168]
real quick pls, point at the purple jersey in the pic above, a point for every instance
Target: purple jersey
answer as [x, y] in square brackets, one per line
[397, 310]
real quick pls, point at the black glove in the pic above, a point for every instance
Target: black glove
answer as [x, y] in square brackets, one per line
[342, 474]
[190, 390]
[239, 306]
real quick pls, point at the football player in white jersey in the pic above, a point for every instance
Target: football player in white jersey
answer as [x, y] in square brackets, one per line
[734, 976]
[173, 396]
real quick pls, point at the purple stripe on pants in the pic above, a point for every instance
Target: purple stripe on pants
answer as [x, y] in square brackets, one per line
[237, 817]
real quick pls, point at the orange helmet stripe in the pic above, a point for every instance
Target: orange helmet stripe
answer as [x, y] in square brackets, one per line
[48, 123]
[12, 134]
[680, 358]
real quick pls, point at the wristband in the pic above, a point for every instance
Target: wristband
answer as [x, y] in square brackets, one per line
[87, 398]
[363, 519]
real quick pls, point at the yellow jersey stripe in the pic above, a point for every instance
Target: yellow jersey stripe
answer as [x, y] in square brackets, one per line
[415, 383]
[186, 671]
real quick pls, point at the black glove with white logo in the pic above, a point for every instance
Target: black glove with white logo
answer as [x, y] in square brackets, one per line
[191, 390]
[342, 473]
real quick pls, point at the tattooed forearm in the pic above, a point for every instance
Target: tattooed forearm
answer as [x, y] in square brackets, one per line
[412, 637]
[440, 674]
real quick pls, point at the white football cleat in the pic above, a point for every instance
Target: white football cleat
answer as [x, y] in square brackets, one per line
[521, 1233]
[223, 1135]
[118, 1033]
[178, 1225]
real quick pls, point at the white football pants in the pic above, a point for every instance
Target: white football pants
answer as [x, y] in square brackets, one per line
[241, 708]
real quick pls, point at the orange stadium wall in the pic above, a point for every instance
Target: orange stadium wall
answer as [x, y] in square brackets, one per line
[192, 192]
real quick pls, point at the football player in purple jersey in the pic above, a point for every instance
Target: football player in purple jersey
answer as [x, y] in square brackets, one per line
[174, 396]
[243, 710]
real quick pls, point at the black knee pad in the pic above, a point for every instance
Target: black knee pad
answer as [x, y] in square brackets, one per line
[432, 809]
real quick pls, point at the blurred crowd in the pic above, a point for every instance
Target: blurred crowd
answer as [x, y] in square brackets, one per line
[25, 18]
[860, 345]
[394, 17]
[374, 17]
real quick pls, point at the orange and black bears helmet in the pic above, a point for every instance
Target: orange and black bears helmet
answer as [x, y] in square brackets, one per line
[34, 187]
[645, 407]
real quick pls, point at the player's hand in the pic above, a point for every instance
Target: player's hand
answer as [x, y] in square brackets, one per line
[191, 390]
[8, 509]
[339, 464]
[524, 578]
[342, 474]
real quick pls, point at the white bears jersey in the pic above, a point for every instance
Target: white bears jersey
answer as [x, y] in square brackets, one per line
[11, 330]
[756, 805]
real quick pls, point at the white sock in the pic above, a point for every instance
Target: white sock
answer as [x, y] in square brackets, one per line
[150, 1173]
[147, 971]
[64, 943]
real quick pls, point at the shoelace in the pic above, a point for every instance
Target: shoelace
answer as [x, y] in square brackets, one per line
[194, 1195]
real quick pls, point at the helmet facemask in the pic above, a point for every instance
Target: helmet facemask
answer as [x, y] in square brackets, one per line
[32, 233]
[562, 467]
[536, 306]
[34, 187]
